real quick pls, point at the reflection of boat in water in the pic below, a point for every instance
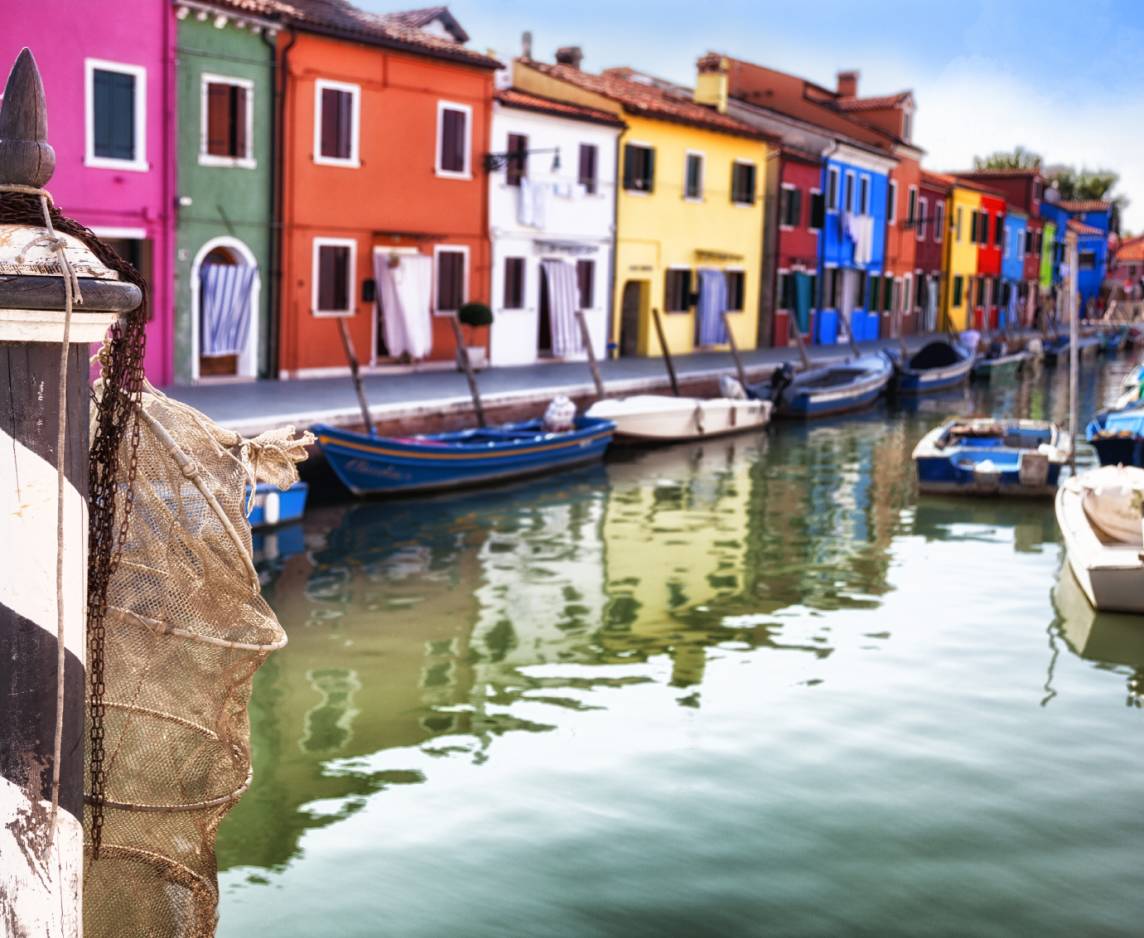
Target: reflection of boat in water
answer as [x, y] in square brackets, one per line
[951, 519]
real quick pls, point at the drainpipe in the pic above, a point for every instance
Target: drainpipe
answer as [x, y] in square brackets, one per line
[279, 74]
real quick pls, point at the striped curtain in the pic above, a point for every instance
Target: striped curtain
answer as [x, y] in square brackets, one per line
[225, 304]
[563, 301]
[710, 328]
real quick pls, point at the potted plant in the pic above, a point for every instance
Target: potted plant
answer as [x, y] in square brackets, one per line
[475, 316]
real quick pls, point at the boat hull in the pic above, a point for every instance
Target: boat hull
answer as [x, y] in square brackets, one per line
[1119, 451]
[397, 466]
[651, 419]
[909, 381]
[273, 506]
[806, 403]
[1111, 576]
[985, 369]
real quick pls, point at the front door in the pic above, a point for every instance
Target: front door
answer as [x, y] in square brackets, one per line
[544, 326]
[631, 313]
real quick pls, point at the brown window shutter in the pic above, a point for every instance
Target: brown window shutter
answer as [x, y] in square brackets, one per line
[517, 166]
[585, 279]
[450, 270]
[453, 141]
[345, 124]
[329, 119]
[239, 121]
[326, 275]
[341, 277]
[218, 119]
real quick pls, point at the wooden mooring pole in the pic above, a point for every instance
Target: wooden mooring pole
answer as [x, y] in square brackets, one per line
[666, 351]
[739, 369]
[43, 499]
[467, 366]
[586, 336]
[355, 375]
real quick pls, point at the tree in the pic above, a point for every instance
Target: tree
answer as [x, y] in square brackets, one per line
[1017, 158]
[1090, 184]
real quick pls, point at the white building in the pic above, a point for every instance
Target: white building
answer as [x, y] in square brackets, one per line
[552, 213]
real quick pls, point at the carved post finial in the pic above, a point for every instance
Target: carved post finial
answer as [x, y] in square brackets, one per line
[26, 159]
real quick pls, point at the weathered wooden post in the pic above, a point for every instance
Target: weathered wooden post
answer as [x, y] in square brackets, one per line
[44, 398]
[666, 352]
[586, 338]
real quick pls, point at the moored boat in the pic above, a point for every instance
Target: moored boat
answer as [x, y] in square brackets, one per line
[937, 366]
[660, 418]
[834, 388]
[1057, 347]
[999, 361]
[1099, 514]
[1113, 341]
[987, 456]
[1117, 435]
[374, 465]
[273, 506]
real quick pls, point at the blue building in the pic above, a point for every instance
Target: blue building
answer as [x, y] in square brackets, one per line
[1095, 220]
[852, 246]
[1013, 267]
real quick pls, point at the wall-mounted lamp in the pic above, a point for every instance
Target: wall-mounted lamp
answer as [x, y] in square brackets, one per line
[495, 161]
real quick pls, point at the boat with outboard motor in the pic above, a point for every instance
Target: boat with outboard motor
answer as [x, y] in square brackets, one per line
[833, 388]
[936, 366]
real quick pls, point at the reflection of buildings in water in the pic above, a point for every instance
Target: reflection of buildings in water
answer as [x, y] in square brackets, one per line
[973, 519]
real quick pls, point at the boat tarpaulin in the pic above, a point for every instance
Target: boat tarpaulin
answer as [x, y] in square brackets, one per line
[710, 328]
[225, 304]
[563, 301]
[405, 283]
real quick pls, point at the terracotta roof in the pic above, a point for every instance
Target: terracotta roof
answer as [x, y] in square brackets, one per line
[938, 179]
[419, 19]
[871, 104]
[1084, 205]
[341, 18]
[271, 9]
[647, 100]
[1081, 228]
[1130, 250]
[966, 181]
[514, 97]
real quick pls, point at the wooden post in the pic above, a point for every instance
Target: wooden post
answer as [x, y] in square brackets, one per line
[793, 320]
[42, 639]
[592, 365]
[1073, 351]
[849, 332]
[735, 351]
[355, 375]
[666, 351]
[463, 357]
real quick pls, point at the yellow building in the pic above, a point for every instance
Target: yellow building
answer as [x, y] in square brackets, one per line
[961, 257]
[689, 207]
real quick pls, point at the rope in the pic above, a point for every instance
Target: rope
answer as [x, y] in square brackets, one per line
[72, 296]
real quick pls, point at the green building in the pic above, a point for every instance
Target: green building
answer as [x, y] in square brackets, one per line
[225, 115]
[1048, 246]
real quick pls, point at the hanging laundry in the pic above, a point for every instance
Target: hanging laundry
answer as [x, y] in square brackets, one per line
[225, 305]
[563, 301]
[541, 193]
[525, 203]
[709, 327]
[405, 290]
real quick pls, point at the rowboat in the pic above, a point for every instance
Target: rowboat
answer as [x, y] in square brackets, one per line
[937, 366]
[1104, 637]
[274, 506]
[1099, 514]
[1058, 346]
[835, 388]
[374, 465]
[998, 361]
[985, 456]
[1117, 435]
[660, 418]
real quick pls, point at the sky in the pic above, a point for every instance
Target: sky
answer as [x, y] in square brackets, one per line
[1065, 79]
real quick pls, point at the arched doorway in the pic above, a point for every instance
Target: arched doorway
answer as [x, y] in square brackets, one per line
[225, 289]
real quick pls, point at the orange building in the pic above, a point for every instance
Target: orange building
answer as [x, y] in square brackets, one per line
[384, 129]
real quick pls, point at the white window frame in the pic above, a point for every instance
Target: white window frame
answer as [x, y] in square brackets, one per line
[788, 187]
[938, 220]
[754, 195]
[139, 73]
[354, 161]
[467, 172]
[923, 206]
[316, 273]
[463, 249]
[893, 202]
[866, 202]
[849, 193]
[687, 154]
[246, 161]
[837, 187]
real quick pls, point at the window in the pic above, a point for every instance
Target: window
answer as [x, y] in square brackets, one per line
[817, 210]
[333, 275]
[830, 288]
[226, 122]
[514, 283]
[735, 290]
[677, 291]
[693, 177]
[790, 207]
[907, 125]
[892, 201]
[588, 168]
[938, 220]
[586, 281]
[999, 230]
[907, 293]
[871, 302]
[920, 291]
[784, 290]
[958, 286]
[832, 190]
[887, 293]
[1086, 260]
[453, 129]
[450, 271]
[896, 296]
[923, 204]
[743, 183]
[864, 195]
[912, 205]
[957, 225]
[116, 115]
[337, 109]
[848, 192]
[516, 166]
[639, 168]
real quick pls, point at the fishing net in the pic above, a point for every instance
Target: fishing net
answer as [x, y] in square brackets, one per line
[186, 628]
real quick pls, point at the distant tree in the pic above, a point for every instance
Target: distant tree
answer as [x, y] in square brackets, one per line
[1085, 184]
[1017, 158]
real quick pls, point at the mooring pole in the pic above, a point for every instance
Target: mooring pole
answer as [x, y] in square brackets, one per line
[739, 369]
[1073, 352]
[355, 374]
[467, 366]
[43, 500]
[586, 337]
[666, 352]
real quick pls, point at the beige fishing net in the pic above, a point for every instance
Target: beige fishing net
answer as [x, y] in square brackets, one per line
[186, 629]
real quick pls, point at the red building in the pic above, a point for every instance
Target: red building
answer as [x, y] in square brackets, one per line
[932, 231]
[800, 181]
[990, 244]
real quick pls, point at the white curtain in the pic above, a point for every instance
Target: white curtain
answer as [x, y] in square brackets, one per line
[405, 284]
[711, 330]
[225, 304]
[563, 301]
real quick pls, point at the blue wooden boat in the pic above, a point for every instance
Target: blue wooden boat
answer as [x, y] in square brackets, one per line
[372, 465]
[1112, 342]
[1117, 435]
[937, 366]
[986, 456]
[829, 389]
[273, 506]
[1057, 347]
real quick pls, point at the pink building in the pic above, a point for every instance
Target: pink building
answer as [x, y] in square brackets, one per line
[110, 93]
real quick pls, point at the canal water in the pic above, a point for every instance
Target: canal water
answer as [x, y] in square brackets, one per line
[754, 686]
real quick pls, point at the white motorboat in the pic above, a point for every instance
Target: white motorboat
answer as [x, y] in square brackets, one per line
[1100, 517]
[660, 418]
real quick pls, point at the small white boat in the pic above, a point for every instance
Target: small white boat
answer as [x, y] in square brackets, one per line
[660, 418]
[1099, 514]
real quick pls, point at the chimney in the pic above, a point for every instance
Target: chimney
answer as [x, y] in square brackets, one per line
[711, 82]
[570, 55]
[526, 44]
[848, 83]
